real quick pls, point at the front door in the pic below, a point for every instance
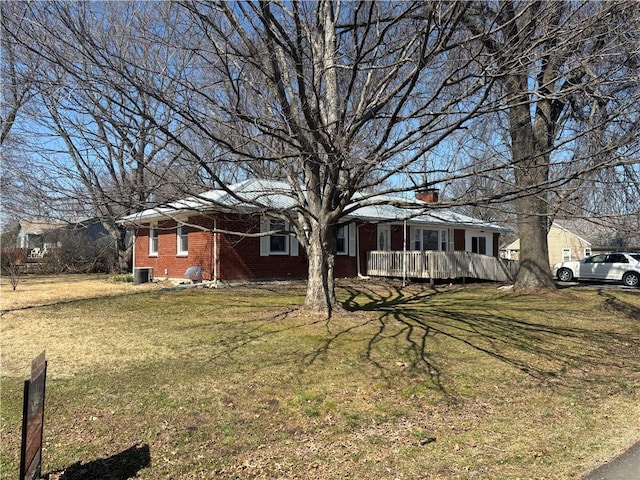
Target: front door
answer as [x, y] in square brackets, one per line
[384, 238]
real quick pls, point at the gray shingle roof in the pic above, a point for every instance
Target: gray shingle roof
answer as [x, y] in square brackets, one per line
[256, 195]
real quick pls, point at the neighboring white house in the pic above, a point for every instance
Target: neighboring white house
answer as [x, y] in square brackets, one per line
[35, 234]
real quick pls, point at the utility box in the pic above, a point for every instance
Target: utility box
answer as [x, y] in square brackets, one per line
[142, 275]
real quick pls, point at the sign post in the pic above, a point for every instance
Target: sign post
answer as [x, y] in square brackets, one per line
[33, 420]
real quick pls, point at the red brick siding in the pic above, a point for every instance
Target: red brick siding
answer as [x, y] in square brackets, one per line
[238, 257]
[345, 266]
[167, 262]
[368, 242]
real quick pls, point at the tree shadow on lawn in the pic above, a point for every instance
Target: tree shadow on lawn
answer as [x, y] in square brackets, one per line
[550, 353]
[611, 303]
[247, 331]
[404, 323]
[121, 466]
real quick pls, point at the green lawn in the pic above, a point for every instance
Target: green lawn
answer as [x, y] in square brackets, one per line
[453, 383]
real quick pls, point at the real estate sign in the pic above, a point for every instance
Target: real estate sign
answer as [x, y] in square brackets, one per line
[33, 420]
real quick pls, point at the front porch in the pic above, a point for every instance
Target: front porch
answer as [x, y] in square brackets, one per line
[437, 265]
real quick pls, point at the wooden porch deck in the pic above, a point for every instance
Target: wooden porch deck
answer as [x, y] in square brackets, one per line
[437, 265]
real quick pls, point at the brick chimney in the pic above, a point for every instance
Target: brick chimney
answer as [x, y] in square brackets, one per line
[428, 195]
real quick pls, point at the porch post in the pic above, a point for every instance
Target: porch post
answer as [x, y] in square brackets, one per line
[358, 249]
[430, 256]
[404, 252]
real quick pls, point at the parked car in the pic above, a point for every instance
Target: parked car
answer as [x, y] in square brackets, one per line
[619, 266]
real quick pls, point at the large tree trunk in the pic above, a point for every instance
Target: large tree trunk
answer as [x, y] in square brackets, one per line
[125, 257]
[534, 271]
[529, 148]
[123, 248]
[321, 295]
[532, 206]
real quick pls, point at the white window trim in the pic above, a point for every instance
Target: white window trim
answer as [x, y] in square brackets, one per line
[353, 241]
[486, 244]
[291, 243]
[179, 236]
[587, 252]
[566, 252]
[286, 238]
[153, 252]
[350, 241]
[488, 236]
[417, 237]
[345, 238]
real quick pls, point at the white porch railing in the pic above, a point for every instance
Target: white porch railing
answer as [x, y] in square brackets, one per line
[435, 265]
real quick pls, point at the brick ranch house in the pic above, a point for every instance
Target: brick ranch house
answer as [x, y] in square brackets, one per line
[196, 232]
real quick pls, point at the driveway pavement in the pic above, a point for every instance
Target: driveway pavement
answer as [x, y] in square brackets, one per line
[624, 467]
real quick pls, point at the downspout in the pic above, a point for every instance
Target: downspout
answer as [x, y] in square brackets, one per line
[133, 254]
[358, 249]
[358, 252]
[404, 253]
[215, 251]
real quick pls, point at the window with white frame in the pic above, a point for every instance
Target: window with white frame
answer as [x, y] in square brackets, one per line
[479, 245]
[153, 240]
[278, 243]
[341, 240]
[587, 252]
[281, 242]
[183, 240]
[425, 239]
[566, 254]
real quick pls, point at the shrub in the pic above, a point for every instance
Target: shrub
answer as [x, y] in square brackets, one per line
[11, 261]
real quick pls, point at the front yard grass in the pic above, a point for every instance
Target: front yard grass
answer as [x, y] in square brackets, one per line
[409, 383]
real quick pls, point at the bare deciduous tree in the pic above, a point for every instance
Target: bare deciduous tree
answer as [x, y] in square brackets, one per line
[16, 68]
[565, 72]
[336, 98]
[102, 149]
[17, 90]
